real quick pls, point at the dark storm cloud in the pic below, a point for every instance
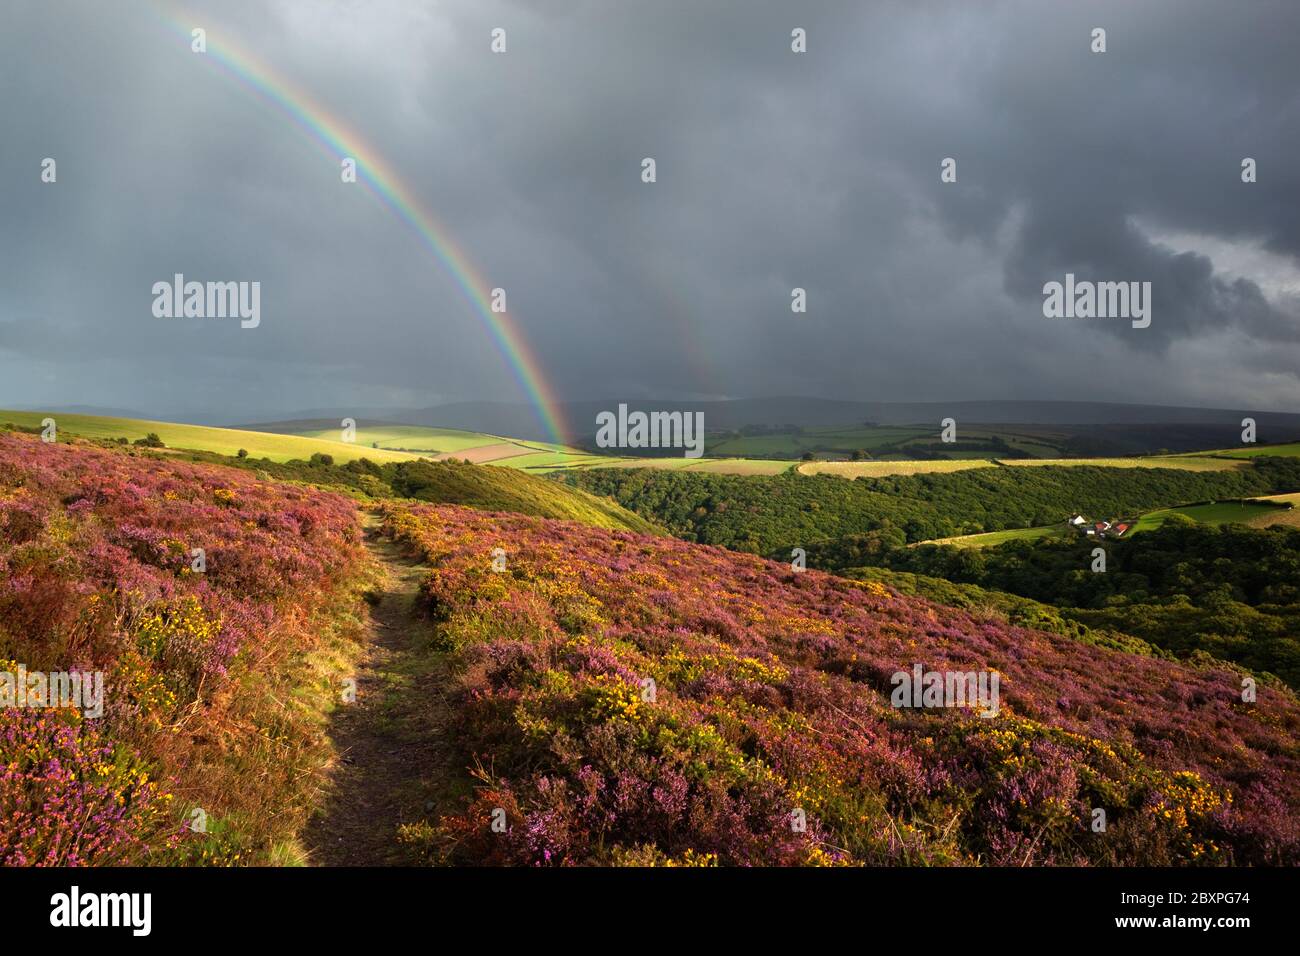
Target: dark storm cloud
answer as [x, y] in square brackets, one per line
[775, 170]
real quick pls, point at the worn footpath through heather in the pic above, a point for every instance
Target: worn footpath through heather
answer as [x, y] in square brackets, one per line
[391, 772]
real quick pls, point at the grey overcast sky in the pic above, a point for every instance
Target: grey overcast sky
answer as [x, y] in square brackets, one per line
[775, 170]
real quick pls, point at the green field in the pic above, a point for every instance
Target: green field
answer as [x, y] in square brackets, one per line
[379, 443]
[740, 466]
[410, 438]
[750, 451]
[716, 466]
[222, 441]
[546, 461]
[990, 538]
[888, 442]
[1291, 450]
[430, 442]
[1259, 512]
[387, 442]
[1254, 512]
[1217, 513]
[532, 456]
[1180, 462]
[1284, 515]
[883, 469]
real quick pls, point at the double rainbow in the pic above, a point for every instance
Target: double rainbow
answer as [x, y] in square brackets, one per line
[384, 183]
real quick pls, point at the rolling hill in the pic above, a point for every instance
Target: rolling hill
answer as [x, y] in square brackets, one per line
[414, 439]
[387, 442]
[449, 481]
[1289, 450]
[1144, 427]
[1192, 588]
[378, 442]
[221, 441]
[641, 699]
[508, 490]
[771, 514]
[481, 448]
[652, 702]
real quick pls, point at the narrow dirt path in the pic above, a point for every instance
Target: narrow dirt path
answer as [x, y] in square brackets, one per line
[388, 741]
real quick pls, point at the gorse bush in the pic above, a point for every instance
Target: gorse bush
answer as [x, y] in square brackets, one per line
[772, 701]
[98, 551]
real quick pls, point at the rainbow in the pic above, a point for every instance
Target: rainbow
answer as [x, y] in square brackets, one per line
[383, 182]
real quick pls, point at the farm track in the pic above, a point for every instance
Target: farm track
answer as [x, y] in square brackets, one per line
[389, 745]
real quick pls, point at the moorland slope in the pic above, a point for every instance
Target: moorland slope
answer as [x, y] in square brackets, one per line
[646, 700]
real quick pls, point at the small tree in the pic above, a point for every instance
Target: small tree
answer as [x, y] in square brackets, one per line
[242, 453]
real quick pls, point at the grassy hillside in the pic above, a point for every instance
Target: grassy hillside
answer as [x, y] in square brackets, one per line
[1257, 512]
[887, 468]
[429, 442]
[1291, 450]
[1176, 462]
[1289, 516]
[532, 456]
[452, 482]
[1245, 511]
[503, 489]
[476, 486]
[222, 441]
[649, 701]
[895, 450]
[881, 469]
[990, 539]
[715, 466]
[411, 438]
[391, 443]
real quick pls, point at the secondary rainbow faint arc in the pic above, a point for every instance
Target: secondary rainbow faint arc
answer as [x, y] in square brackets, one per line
[383, 182]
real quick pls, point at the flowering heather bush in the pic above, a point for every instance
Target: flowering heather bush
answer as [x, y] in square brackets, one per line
[67, 797]
[95, 575]
[773, 695]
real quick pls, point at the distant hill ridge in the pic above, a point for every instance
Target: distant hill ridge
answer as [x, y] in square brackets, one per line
[520, 421]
